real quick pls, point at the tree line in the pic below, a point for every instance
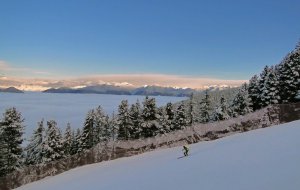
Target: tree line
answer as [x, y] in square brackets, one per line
[277, 84]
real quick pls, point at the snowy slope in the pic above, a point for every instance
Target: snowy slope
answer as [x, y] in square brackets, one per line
[262, 159]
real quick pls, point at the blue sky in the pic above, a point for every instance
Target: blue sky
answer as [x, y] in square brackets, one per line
[216, 39]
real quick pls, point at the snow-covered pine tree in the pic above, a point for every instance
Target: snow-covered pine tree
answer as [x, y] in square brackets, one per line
[191, 110]
[149, 116]
[106, 132]
[170, 116]
[113, 127]
[268, 87]
[68, 140]
[270, 91]
[11, 131]
[261, 83]
[135, 116]
[124, 121]
[180, 118]
[99, 125]
[162, 120]
[289, 76]
[205, 108]
[75, 147]
[35, 147]
[253, 91]
[53, 144]
[241, 103]
[87, 136]
[222, 111]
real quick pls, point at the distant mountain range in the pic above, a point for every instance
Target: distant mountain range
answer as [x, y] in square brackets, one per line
[117, 90]
[11, 90]
[123, 90]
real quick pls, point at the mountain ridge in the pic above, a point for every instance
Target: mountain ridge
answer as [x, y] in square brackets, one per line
[11, 90]
[120, 90]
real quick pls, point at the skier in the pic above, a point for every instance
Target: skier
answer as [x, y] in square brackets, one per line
[185, 150]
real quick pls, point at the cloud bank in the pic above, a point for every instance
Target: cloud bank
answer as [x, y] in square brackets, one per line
[128, 80]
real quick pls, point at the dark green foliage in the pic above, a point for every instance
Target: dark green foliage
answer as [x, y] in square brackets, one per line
[222, 111]
[278, 84]
[101, 131]
[114, 128]
[124, 121]
[68, 140]
[149, 116]
[87, 136]
[35, 147]
[270, 91]
[289, 77]
[180, 118]
[164, 126]
[241, 104]
[205, 108]
[191, 110]
[52, 146]
[253, 91]
[11, 131]
[76, 142]
[135, 116]
[170, 115]
[106, 131]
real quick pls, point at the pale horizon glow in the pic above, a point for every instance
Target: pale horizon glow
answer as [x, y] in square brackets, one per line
[124, 80]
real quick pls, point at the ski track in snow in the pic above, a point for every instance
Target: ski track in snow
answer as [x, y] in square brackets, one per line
[266, 159]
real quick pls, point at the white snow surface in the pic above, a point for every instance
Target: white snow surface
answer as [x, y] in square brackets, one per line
[267, 159]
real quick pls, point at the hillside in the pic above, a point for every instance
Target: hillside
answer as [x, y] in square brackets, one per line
[262, 159]
[11, 90]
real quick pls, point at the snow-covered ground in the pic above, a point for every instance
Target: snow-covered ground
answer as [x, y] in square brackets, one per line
[267, 159]
[64, 108]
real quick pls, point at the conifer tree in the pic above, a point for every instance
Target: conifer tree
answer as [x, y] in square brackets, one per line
[87, 136]
[191, 110]
[114, 127]
[34, 149]
[76, 143]
[205, 108]
[124, 121]
[289, 76]
[222, 111]
[253, 91]
[170, 116]
[68, 140]
[163, 121]
[52, 146]
[11, 131]
[268, 87]
[180, 118]
[106, 133]
[241, 103]
[135, 116]
[99, 125]
[149, 115]
[270, 92]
